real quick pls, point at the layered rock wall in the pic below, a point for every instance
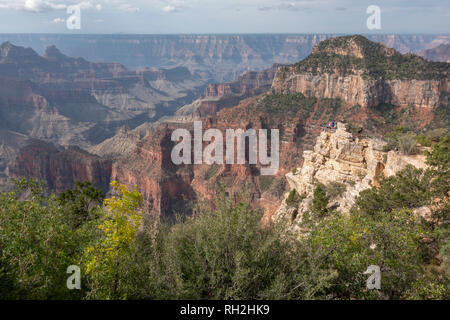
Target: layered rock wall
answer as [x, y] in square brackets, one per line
[355, 89]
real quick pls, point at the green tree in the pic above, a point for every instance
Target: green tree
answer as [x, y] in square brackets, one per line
[108, 259]
[80, 201]
[409, 188]
[320, 201]
[37, 244]
[352, 243]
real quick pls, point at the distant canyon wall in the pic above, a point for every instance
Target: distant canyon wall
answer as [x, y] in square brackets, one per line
[217, 57]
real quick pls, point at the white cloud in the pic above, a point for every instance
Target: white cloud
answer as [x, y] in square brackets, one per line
[46, 5]
[169, 9]
[177, 5]
[41, 5]
[129, 8]
[58, 20]
[84, 5]
[288, 6]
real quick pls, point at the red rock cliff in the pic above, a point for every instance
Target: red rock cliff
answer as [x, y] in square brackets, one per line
[61, 169]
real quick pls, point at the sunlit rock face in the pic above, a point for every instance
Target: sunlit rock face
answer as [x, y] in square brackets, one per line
[340, 157]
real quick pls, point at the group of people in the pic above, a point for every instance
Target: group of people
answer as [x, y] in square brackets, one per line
[331, 125]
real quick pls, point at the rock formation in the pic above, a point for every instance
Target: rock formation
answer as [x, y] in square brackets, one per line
[226, 95]
[70, 101]
[360, 72]
[60, 169]
[339, 157]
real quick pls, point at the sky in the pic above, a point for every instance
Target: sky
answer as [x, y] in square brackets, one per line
[224, 16]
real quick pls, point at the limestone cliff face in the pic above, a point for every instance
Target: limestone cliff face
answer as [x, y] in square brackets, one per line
[354, 89]
[340, 157]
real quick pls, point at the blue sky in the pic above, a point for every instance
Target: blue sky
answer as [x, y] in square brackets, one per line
[225, 16]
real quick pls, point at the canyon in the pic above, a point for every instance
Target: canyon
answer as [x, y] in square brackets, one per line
[297, 99]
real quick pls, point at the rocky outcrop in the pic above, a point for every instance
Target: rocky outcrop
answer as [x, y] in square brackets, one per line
[360, 72]
[60, 169]
[250, 83]
[339, 157]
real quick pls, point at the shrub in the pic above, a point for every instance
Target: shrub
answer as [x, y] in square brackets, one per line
[335, 189]
[436, 134]
[40, 237]
[407, 144]
[320, 201]
[402, 140]
[293, 198]
[423, 140]
[227, 254]
[265, 182]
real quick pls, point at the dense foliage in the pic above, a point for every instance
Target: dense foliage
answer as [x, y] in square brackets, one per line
[286, 104]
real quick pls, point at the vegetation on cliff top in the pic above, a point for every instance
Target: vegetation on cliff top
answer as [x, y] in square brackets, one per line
[373, 60]
[286, 105]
